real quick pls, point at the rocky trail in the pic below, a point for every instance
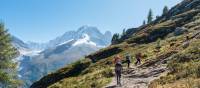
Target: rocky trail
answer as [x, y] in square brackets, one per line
[139, 77]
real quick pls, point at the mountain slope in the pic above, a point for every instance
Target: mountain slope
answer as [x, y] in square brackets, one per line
[23, 59]
[168, 32]
[19, 44]
[101, 39]
[95, 36]
[37, 60]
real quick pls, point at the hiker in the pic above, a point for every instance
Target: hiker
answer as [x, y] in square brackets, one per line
[128, 59]
[186, 42]
[138, 58]
[118, 68]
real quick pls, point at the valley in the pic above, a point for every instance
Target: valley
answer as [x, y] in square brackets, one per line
[37, 60]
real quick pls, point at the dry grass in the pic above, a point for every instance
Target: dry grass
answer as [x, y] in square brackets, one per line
[97, 79]
[184, 69]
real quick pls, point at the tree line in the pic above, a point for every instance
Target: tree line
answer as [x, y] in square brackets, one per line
[117, 38]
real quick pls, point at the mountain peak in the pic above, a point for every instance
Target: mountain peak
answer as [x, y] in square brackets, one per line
[108, 33]
[101, 39]
[87, 28]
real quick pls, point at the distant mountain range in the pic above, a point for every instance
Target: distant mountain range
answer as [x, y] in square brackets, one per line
[95, 35]
[36, 60]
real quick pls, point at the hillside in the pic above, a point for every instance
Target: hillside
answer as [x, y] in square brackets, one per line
[166, 62]
[38, 59]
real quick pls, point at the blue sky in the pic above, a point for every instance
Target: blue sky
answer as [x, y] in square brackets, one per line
[43, 20]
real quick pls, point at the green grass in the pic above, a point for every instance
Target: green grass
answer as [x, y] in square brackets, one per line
[97, 79]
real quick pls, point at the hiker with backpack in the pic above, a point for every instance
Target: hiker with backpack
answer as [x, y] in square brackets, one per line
[128, 59]
[118, 68]
[138, 58]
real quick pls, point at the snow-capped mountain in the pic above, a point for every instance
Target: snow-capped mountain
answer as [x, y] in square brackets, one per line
[36, 46]
[36, 60]
[100, 39]
[25, 54]
[22, 47]
[95, 35]
[19, 44]
[85, 39]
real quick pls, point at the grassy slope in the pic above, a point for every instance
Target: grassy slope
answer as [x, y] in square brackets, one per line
[184, 69]
[86, 73]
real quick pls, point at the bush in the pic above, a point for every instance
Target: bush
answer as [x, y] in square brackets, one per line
[108, 73]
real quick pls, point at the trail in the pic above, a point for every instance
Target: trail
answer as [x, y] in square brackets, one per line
[141, 76]
[138, 77]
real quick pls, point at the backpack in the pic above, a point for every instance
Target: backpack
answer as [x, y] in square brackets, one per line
[118, 67]
[128, 59]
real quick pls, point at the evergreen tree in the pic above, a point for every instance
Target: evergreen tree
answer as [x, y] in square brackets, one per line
[144, 22]
[8, 74]
[123, 36]
[115, 38]
[165, 10]
[150, 16]
[124, 32]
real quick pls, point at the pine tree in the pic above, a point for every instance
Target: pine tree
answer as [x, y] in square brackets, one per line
[124, 32]
[165, 10]
[123, 36]
[150, 16]
[8, 74]
[115, 38]
[144, 22]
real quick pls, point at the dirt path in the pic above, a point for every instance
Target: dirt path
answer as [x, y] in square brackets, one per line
[138, 78]
[141, 76]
